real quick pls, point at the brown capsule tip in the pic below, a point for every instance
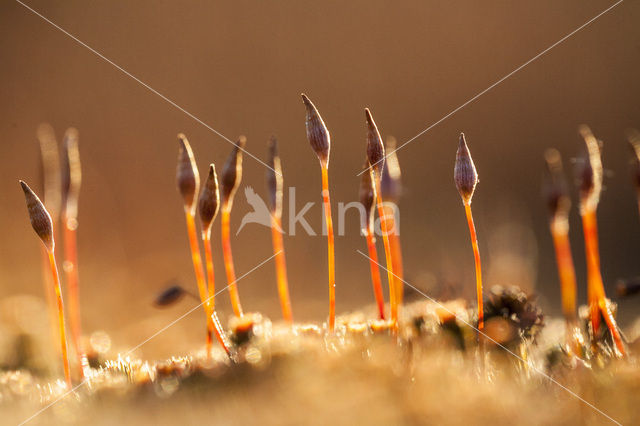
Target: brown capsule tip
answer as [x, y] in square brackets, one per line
[50, 168]
[555, 185]
[367, 195]
[209, 202]
[628, 287]
[591, 174]
[464, 172]
[633, 136]
[71, 174]
[274, 179]
[390, 184]
[241, 142]
[169, 296]
[39, 217]
[317, 132]
[375, 147]
[232, 173]
[187, 175]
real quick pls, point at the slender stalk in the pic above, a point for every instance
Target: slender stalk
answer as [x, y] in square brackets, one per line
[211, 284]
[230, 180]
[566, 270]
[465, 177]
[63, 335]
[590, 189]
[595, 287]
[376, 160]
[220, 335]
[228, 261]
[212, 317]
[476, 257]
[368, 200]
[50, 295]
[393, 299]
[568, 287]
[274, 195]
[197, 267]
[375, 271]
[281, 269]
[396, 256]
[391, 190]
[43, 226]
[559, 204]
[70, 267]
[208, 206]
[320, 141]
[71, 174]
[330, 246]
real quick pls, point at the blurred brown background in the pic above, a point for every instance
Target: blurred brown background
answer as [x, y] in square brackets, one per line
[240, 67]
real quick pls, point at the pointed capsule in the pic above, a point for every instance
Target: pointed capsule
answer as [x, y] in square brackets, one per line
[464, 172]
[39, 217]
[390, 184]
[209, 202]
[274, 179]
[232, 172]
[71, 174]
[317, 132]
[50, 168]
[591, 173]
[375, 147]
[628, 287]
[169, 296]
[634, 142]
[367, 195]
[555, 188]
[187, 175]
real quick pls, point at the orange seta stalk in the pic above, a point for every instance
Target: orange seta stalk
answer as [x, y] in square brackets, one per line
[326, 202]
[274, 192]
[197, 267]
[590, 189]
[476, 257]
[188, 181]
[368, 200]
[376, 159]
[466, 179]
[212, 317]
[50, 295]
[320, 141]
[281, 269]
[595, 288]
[230, 180]
[228, 261]
[211, 282]
[391, 189]
[70, 267]
[71, 181]
[393, 299]
[559, 204]
[43, 226]
[396, 258]
[375, 272]
[208, 206]
[63, 336]
[566, 271]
